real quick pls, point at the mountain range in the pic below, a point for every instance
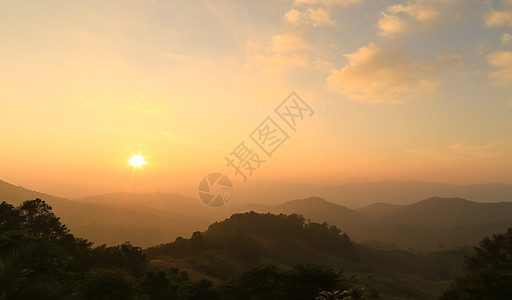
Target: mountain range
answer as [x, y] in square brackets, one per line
[428, 224]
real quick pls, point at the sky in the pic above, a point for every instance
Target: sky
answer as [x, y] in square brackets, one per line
[389, 90]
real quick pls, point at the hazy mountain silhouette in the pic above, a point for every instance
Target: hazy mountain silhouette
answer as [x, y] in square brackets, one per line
[141, 225]
[17, 194]
[428, 224]
[147, 219]
[357, 195]
[445, 213]
[168, 202]
[71, 191]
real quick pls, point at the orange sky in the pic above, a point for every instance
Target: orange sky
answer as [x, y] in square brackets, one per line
[401, 90]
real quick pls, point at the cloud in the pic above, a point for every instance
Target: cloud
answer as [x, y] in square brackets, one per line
[287, 43]
[498, 18]
[417, 10]
[327, 2]
[450, 60]
[314, 16]
[390, 25]
[286, 51]
[400, 18]
[502, 62]
[379, 75]
[506, 37]
[315, 12]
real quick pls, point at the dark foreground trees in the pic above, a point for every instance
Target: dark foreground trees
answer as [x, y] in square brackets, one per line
[40, 259]
[488, 273]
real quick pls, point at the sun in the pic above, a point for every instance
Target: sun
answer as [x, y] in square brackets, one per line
[137, 161]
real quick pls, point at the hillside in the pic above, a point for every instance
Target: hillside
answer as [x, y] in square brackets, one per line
[152, 218]
[111, 224]
[426, 225]
[358, 195]
[446, 213]
[250, 239]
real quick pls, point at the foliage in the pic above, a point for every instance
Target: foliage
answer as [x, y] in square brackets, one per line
[251, 239]
[106, 284]
[488, 273]
[20, 264]
[302, 282]
[41, 259]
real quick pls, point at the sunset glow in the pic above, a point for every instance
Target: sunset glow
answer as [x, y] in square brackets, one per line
[401, 90]
[137, 161]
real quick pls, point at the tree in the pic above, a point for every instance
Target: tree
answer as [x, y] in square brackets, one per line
[22, 265]
[158, 286]
[488, 273]
[263, 282]
[109, 284]
[302, 282]
[305, 281]
[124, 256]
[40, 220]
[10, 218]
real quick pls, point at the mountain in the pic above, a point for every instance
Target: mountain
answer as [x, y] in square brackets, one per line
[73, 192]
[108, 224]
[439, 212]
[377, 208]
[321, 210]
[17, 194]
[429, 224]
[358, 195]
[167, 202]
[251, 239]
[426, 225]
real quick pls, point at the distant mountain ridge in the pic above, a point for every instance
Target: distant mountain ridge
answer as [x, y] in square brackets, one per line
[358, 195]
[100, 223]
[146, 219]
[427, 224]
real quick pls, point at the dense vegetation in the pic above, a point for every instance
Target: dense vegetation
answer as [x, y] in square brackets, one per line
[488, 273]
[41, 259]
[249, 239]
[247, 256]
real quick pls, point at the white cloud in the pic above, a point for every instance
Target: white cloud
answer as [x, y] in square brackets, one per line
[378, 75]
[502, 62]
[498, 18]
[314, 16]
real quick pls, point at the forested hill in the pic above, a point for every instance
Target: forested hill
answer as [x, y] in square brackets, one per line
[251, 239]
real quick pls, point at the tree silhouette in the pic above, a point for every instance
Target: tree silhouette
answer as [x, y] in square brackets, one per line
[488, 273]
[19, 266]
